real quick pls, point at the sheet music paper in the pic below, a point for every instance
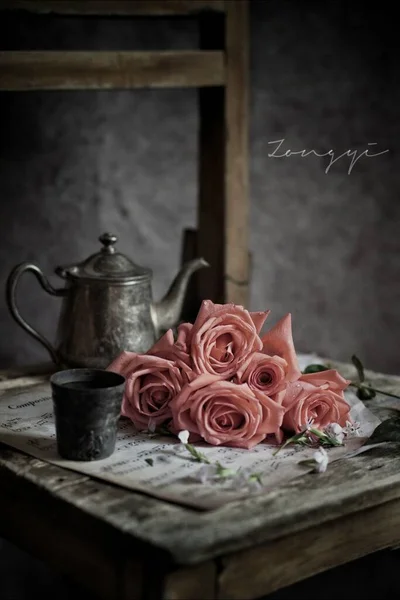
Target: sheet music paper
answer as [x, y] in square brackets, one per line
[27, 423]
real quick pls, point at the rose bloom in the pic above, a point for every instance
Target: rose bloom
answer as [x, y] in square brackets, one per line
[318, 397]
[278, 341]
[264, 373]
[183, 339]
[152, 382]
[225, 413]
[166, 347]
[223, 336]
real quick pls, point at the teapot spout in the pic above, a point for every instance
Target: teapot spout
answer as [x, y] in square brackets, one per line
[166, 313]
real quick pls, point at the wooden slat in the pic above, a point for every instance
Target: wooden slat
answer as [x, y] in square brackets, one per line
[115, 7]
[236, 268]
[109, 70]
[223, 207]
[210, 206]
[267, 568]
[192, 582]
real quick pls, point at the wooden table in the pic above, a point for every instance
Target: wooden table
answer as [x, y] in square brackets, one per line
[125, 545]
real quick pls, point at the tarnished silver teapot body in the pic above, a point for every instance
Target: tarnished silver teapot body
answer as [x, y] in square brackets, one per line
[107, 307]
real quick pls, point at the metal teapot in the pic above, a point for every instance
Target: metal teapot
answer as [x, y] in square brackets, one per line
[107, 306]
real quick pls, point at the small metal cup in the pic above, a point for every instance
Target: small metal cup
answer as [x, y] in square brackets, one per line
[87, 406]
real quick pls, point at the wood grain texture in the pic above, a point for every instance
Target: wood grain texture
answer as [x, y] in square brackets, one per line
[69, 542]
[265, 569]
[211, 172]
[211, 206]
[92, 507]
[115, 7]
[26, 371]
[236, 271]
[194, 583]
[348, 487]
[223, 207]
[350, 510]
[50, 70]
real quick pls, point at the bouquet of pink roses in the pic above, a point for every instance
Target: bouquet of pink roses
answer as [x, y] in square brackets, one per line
[225, 384]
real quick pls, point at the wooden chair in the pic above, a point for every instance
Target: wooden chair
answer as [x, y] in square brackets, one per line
[219, 69]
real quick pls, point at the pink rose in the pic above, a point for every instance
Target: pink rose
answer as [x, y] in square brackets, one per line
[225, 413]
[152, 382]
[264, 373]
[183, 339]
[317, 396]
[166, 347]
[279, 341]
[223, 336]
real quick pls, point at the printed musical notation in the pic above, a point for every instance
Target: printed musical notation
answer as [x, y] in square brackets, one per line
[161, 466]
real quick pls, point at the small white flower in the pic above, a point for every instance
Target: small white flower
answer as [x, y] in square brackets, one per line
[335, 428]
[184, 436]
[321, 460]
[335, 431]
[352, 429]
[152, 425]
[307, 426]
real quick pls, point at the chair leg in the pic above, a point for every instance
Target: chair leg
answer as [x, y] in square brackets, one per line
[223, 206]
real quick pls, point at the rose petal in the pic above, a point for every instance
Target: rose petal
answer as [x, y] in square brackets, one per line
[152, 381]
[207, 308]
[165, 342]
[184, 331]
[222, 338]
[304, 401]
[259, 319]
[331, 377]
[225, 413]
[279, 341]
[121, 364]
[166, 348]
[260, 364]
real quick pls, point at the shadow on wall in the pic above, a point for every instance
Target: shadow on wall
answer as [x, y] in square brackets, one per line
[324, 241]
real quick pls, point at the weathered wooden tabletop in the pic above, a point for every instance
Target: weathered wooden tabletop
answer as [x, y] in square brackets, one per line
[125, 545]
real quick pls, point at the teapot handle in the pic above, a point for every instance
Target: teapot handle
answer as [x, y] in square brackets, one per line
[11, 289]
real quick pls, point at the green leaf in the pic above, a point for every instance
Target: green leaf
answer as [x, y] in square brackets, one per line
[299, 438]
[149, 461]
[318, 433]
[387, 431]
[359, 366]
[314, 369]
[324, 438]
[198, 456]
[224, 472]
[256, 477]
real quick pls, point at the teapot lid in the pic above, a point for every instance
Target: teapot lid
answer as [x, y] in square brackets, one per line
[106, 265]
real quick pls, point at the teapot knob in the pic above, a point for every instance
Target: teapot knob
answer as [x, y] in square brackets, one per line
[108, 240]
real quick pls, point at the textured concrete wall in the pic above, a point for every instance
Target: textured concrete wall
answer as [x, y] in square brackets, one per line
[325, 245]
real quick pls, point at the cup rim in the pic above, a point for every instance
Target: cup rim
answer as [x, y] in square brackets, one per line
[57, 378]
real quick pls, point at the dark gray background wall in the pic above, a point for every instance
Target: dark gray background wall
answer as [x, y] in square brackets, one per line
[325, 245]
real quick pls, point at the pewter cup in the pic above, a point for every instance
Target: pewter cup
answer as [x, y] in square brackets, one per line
[87, 406]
